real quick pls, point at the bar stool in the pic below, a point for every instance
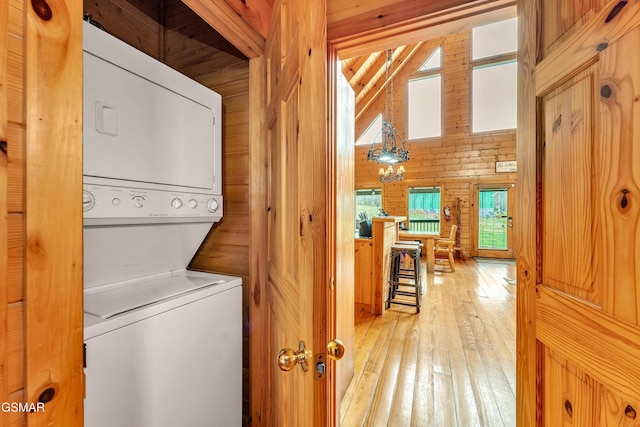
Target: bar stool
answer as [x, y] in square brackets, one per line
[402, 276]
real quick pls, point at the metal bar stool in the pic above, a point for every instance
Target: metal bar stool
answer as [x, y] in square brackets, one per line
[401, 277]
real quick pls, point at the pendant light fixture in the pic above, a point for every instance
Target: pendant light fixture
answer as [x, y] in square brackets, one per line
[393, 148]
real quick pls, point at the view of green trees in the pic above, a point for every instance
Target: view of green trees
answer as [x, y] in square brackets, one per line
[492, 232]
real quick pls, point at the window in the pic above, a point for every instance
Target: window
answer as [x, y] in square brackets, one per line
[425, 99]
[494, 90]
[494, 39]
[494, 97]
[433, 61]
[425, 107]
[368, 201]
[373, 131]
[424, 209]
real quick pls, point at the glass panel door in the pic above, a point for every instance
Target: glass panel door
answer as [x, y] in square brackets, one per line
[492, 221]
[494, 218]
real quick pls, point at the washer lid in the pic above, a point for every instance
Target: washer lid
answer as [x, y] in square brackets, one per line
[121, 299]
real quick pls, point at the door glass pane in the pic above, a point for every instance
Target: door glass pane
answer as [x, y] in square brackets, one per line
[492, 211]
[424, 209]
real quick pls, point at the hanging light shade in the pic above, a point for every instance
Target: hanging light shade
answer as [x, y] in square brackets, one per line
[393, 148]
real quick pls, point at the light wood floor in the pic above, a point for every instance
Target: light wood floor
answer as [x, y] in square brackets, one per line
[453, 364]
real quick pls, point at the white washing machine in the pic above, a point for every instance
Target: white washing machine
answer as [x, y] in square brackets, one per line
[165, 351]
[163, 344]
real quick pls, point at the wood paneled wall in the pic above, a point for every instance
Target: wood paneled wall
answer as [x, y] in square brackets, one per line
[457, 160]
[12, 129]
[175, 35]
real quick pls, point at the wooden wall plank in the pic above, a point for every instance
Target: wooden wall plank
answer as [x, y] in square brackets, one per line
[134, 22]
[15, 257]
[16, 21]
[15, 79]
[15, 167]
[16, 419]
[4, 274]
[16, 345]
[53, 274]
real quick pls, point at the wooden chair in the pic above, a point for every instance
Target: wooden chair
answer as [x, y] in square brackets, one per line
[444, 248]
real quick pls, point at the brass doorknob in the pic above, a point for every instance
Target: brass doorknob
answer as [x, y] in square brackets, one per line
[289, 358]
[335, 349]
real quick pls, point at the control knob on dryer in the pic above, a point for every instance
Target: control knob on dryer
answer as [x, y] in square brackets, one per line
[88, 200]
[213, 205]
[138, 201]
[176, 203]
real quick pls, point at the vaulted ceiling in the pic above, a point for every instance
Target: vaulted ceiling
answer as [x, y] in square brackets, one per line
[361, 30]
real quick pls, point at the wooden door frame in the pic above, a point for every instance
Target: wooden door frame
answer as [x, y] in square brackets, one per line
[475, 226]
[358, 45]
[527, 208]
[259, 311]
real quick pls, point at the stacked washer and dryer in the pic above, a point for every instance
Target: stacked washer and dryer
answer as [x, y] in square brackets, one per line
[163, 344]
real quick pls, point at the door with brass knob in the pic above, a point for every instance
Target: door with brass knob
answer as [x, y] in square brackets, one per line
[288, 301]
[289, 358]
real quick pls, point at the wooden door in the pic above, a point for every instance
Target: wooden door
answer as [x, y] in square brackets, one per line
[342, 108]
[579, 321]
[297, 279]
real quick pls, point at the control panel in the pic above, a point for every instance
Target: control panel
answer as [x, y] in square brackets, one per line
[104, 204]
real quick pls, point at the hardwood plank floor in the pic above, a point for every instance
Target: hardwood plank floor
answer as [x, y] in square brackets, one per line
[453, 364]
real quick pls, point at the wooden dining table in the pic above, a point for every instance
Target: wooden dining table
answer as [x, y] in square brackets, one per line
[428, 239]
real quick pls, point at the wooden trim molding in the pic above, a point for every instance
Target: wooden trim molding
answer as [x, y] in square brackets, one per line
[231, 25]
[526, 208]
[53, 254]
[258, 303]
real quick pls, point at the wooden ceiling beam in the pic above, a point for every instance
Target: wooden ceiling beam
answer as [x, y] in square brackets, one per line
[255, 12]
[345, 18]
[358, 39]
[232, 25]
[352, 66]
[367, 73]
[374, 72]
[376, 88]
